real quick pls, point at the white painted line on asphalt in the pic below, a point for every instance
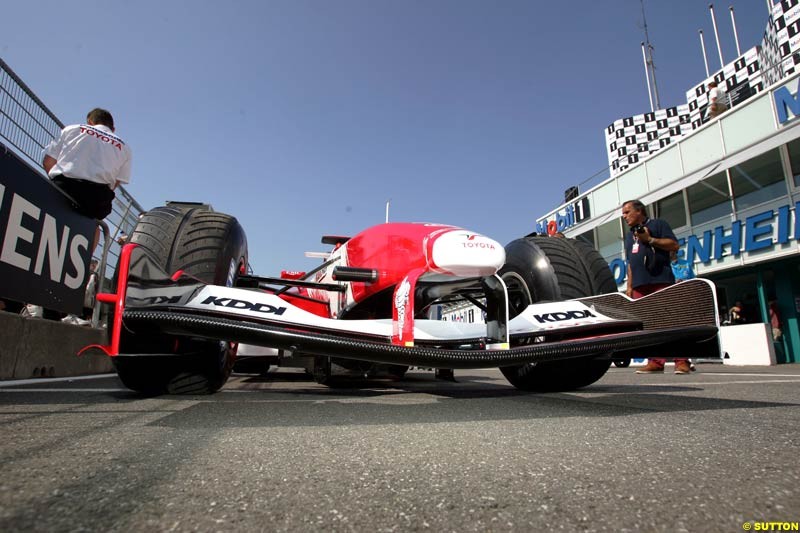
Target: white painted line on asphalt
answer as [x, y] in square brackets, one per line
[752, 382]
[34, 381]
[753, 374]
[704, 383]
[63, 390]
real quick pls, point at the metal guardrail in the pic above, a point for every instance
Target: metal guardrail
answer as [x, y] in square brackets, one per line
[27, 126]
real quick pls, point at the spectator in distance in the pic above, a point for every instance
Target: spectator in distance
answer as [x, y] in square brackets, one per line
[716, 101]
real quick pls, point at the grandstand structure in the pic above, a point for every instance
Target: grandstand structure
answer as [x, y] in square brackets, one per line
[631, 140]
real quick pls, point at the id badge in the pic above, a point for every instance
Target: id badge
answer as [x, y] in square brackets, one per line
[635, 248]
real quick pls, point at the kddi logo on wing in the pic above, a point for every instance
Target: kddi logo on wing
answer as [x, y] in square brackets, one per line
[241, 304]
[561, 316]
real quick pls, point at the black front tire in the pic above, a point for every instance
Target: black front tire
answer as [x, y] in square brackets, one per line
[542, 269]
[211, 247]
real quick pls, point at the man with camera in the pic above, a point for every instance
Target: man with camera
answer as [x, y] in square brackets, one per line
[647, 247]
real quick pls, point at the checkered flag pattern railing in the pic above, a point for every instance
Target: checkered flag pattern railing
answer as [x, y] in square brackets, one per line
[633, 139]
[775, 58]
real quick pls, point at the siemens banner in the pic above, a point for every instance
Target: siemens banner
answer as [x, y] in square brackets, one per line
[761, 231]
[45, 247]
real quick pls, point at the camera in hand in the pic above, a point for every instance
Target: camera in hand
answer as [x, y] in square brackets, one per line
[638, 228]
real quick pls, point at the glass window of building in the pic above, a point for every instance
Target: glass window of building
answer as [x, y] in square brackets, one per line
[672, 209]
[609, 239]
[587, 236]
[709, 199]
[758, 180]
[794, 159]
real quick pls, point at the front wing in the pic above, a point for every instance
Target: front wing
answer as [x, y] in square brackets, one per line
[680, 321]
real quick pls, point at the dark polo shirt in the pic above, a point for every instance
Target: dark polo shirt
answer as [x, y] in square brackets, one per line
[650, 265]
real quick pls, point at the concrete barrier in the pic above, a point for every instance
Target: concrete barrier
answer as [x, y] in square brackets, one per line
[34, 347]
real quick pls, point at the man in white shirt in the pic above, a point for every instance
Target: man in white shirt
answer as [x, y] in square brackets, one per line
[88, 162]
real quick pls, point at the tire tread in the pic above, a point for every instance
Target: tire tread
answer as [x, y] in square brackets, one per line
[576, 270]
[201, 243]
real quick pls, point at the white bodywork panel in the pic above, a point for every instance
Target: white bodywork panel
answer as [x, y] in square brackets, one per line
[536, 318]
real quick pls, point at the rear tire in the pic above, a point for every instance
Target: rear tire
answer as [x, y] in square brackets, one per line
[211, 247]
[542, 269]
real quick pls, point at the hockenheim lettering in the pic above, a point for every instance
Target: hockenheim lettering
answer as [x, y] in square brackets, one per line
[560, 316]
[241, 304]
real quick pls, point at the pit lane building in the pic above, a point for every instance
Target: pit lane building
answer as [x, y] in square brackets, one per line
[729, 187]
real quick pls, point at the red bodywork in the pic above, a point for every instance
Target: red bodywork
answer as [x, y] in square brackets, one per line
[393, 250]
[398, 252]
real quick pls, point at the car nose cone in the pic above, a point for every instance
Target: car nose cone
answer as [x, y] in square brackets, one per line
[464, 253]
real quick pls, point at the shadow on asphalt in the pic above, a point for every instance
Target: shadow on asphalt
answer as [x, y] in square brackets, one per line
[442, 411]
[292, 400]
[423, 400]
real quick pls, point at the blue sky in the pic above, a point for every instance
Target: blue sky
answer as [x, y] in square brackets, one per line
[303, 117]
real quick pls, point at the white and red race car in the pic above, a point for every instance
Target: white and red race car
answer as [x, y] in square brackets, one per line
[553, 319]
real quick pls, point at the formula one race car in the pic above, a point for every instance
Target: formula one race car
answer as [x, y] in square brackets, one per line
[552, 318]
